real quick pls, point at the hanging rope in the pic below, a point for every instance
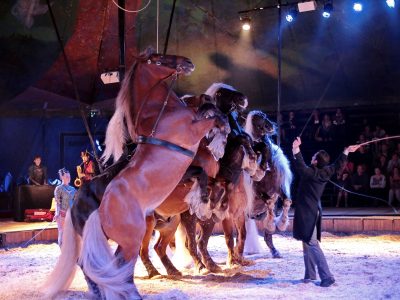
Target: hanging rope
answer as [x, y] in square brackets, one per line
[75, 87]
[322, 96]
[131, 11]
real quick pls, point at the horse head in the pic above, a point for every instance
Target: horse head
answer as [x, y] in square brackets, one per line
[227, 98]
[166, 63]
[259, 126]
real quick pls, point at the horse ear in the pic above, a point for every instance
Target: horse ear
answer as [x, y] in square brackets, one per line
[149, 51]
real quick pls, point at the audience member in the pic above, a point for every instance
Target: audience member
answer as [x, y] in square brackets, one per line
[37, 172]
[379, 132]
[381, 163]
[343, 180]
[360, 180]
[394, 180]
[377, 185]
[325, 131]
[393, 162]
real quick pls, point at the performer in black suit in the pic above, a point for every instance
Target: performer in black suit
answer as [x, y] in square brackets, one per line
[308, 212]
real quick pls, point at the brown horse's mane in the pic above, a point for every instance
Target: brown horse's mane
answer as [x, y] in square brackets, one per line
[121, 126]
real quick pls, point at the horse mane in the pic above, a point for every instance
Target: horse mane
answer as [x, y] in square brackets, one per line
[281, 165]
[248, 127]
[216, 86]
[249, 121]
[121, 128]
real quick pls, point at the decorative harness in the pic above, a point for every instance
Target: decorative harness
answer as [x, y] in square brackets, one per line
[141, 139]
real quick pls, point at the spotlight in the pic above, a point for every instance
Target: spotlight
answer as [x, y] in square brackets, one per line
[291, 15]
[246, 23]
[328, 7]
[391, 3]
[357, 6]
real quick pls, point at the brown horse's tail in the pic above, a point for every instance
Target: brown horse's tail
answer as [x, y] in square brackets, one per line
[121, 127]
[64, 271]
[101, 266]
[116, 136]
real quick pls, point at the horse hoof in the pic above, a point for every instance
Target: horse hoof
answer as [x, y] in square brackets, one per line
[174, 273]
[152, 275]
[246, 262]
[276, 254]
[214, 268]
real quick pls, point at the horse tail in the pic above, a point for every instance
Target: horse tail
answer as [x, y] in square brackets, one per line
[282, 166]
[101, 265]
[121, 127]
[182, 257]
[64, 271]
[252, 244]
[248, 190]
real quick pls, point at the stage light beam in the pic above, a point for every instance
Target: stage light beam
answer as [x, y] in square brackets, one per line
[391, 3]
[246, 23]
[357, 6]
[291, 15]
[328, 7]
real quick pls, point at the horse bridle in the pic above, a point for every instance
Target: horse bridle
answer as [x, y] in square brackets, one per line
[151, 139]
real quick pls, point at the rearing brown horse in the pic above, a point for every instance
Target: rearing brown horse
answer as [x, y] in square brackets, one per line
[168, 133]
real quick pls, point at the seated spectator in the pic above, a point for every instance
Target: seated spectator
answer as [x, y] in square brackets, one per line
[37, 172]
[344, 182]
[363, 157]
[397, 149]
[325, 131]
[360, 180]
[367, 133]
[291, 128]
[381, 163]
[314, 124]
[379, 132]
[393, 162]
[377, 185]
[394, 180]
[349, 167]
[339, 123]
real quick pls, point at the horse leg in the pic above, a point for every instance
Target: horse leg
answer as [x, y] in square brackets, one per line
[268, 240]
[227, 225]
[270, 219]
[282, 221]
[144, 249]
[112, 273]
[166, 235]
[241, 238]
[205, 233]
[189, 222]
[201, 175]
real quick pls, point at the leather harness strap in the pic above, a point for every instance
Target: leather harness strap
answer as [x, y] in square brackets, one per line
[154, 141]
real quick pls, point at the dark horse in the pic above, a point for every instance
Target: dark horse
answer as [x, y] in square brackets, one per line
[276, 182]
[237, 153]
[168, 134]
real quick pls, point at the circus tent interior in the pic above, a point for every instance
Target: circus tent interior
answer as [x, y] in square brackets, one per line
[61, 67]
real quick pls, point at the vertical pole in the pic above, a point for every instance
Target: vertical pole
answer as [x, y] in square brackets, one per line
[171, 17]
[121, 35]
[279, 119]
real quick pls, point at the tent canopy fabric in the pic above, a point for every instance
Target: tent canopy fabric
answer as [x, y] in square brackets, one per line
[355, 54]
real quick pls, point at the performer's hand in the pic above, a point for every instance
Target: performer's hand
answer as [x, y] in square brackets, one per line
[350, 149]
[296, 145]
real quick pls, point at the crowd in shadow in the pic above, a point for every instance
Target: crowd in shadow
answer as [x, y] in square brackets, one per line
[371, 176]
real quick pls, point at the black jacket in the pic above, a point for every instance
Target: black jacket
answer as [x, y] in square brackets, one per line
[308, 201]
